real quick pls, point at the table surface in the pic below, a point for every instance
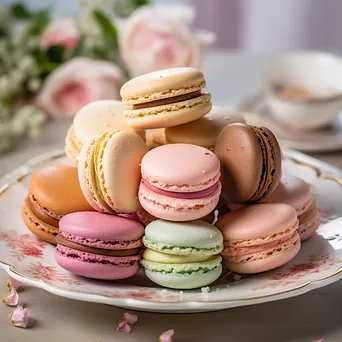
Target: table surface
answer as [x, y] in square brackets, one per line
[307, 318]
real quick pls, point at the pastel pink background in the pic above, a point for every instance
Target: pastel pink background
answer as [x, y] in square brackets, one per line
[255, 25]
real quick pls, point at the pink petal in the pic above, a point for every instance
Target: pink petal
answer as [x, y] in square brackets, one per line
[12, 283]
[124, 327]
[130, 318]
[12, 299]
[20, 317]
[166, 336]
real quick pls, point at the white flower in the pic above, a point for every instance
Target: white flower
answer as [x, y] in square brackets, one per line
[34, 84]
[32, 42]
[4, 84]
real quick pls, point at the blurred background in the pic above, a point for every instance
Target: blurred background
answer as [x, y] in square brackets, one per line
[257, 26]
[56, 56]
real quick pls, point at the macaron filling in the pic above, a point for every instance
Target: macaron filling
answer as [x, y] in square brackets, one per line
[122, 261]
[263, 186]
[84, 248]
[183, 195]
[42, 213]
[200, 267]
[169, 100]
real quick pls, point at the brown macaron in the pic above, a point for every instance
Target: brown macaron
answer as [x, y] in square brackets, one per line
[54, 191]
[250, 161]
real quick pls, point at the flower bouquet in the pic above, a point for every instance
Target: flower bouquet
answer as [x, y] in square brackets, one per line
[53, 67]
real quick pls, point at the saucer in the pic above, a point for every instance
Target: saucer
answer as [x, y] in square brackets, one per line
[326, 139]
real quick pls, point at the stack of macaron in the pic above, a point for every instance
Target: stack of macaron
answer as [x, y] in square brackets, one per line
[207, 188]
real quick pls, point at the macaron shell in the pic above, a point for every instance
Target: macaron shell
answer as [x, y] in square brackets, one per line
[197, 234]
[293, 191]
[98, 117]
[43, 230]
[176, 209]
[184, 281]
[239, 152]
[162, 84]
[308, 227]
[86, 177]
[169, 115]
[84, 264]
[262, 265]
[171, 167]
[71, 149]
[159, 136]
[202, 132]
[121, 169]
[225, 116]
[101, 226]
[253, 222]
[57, 189]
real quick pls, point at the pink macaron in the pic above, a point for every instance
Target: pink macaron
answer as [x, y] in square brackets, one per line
[259, 237]
[180, 182]
[100, 246]
[297, 193]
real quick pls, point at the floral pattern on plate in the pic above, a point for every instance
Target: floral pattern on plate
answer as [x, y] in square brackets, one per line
[319, 262]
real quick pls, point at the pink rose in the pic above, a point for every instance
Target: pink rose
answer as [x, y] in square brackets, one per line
[61, 32]
[158, 37]
[78, 82]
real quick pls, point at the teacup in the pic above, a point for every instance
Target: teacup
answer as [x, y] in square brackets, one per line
[304, 89]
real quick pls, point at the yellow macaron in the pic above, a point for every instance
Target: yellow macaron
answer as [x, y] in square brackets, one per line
[109, 171]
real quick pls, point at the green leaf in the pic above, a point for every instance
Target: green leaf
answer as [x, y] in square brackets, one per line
[139, 3]
[107, 27]
[48, 67]
[56, 53]
[78, 50]
[3, 32]
[39, 22]
[20, 11]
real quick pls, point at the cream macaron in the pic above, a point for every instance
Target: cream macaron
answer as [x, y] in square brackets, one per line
[204, 131]
[165, 98]
[95, 118]
[156, 138]
[109, 171]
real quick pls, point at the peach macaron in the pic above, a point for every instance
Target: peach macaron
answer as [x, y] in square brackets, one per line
[180, 182]
[255, 243]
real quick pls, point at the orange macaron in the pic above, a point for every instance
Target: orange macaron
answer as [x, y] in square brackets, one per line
[54, 191]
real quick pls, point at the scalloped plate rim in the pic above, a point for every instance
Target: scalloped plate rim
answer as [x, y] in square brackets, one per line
[154, 306]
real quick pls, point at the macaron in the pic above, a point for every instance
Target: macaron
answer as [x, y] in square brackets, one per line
[156, 138]
[250, 162]
[95, 118]
[259, 237]
[54, 191]
[180, 182]
[100, 246]
[165, 98]
[204, 131]
[109, 171]
[182, 255]
[297, 193]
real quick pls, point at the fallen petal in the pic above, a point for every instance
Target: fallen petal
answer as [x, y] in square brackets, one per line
[130, 318]
[12, 299]
[12, 283]
[124, 327]
[20, 317]
[166, 336]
